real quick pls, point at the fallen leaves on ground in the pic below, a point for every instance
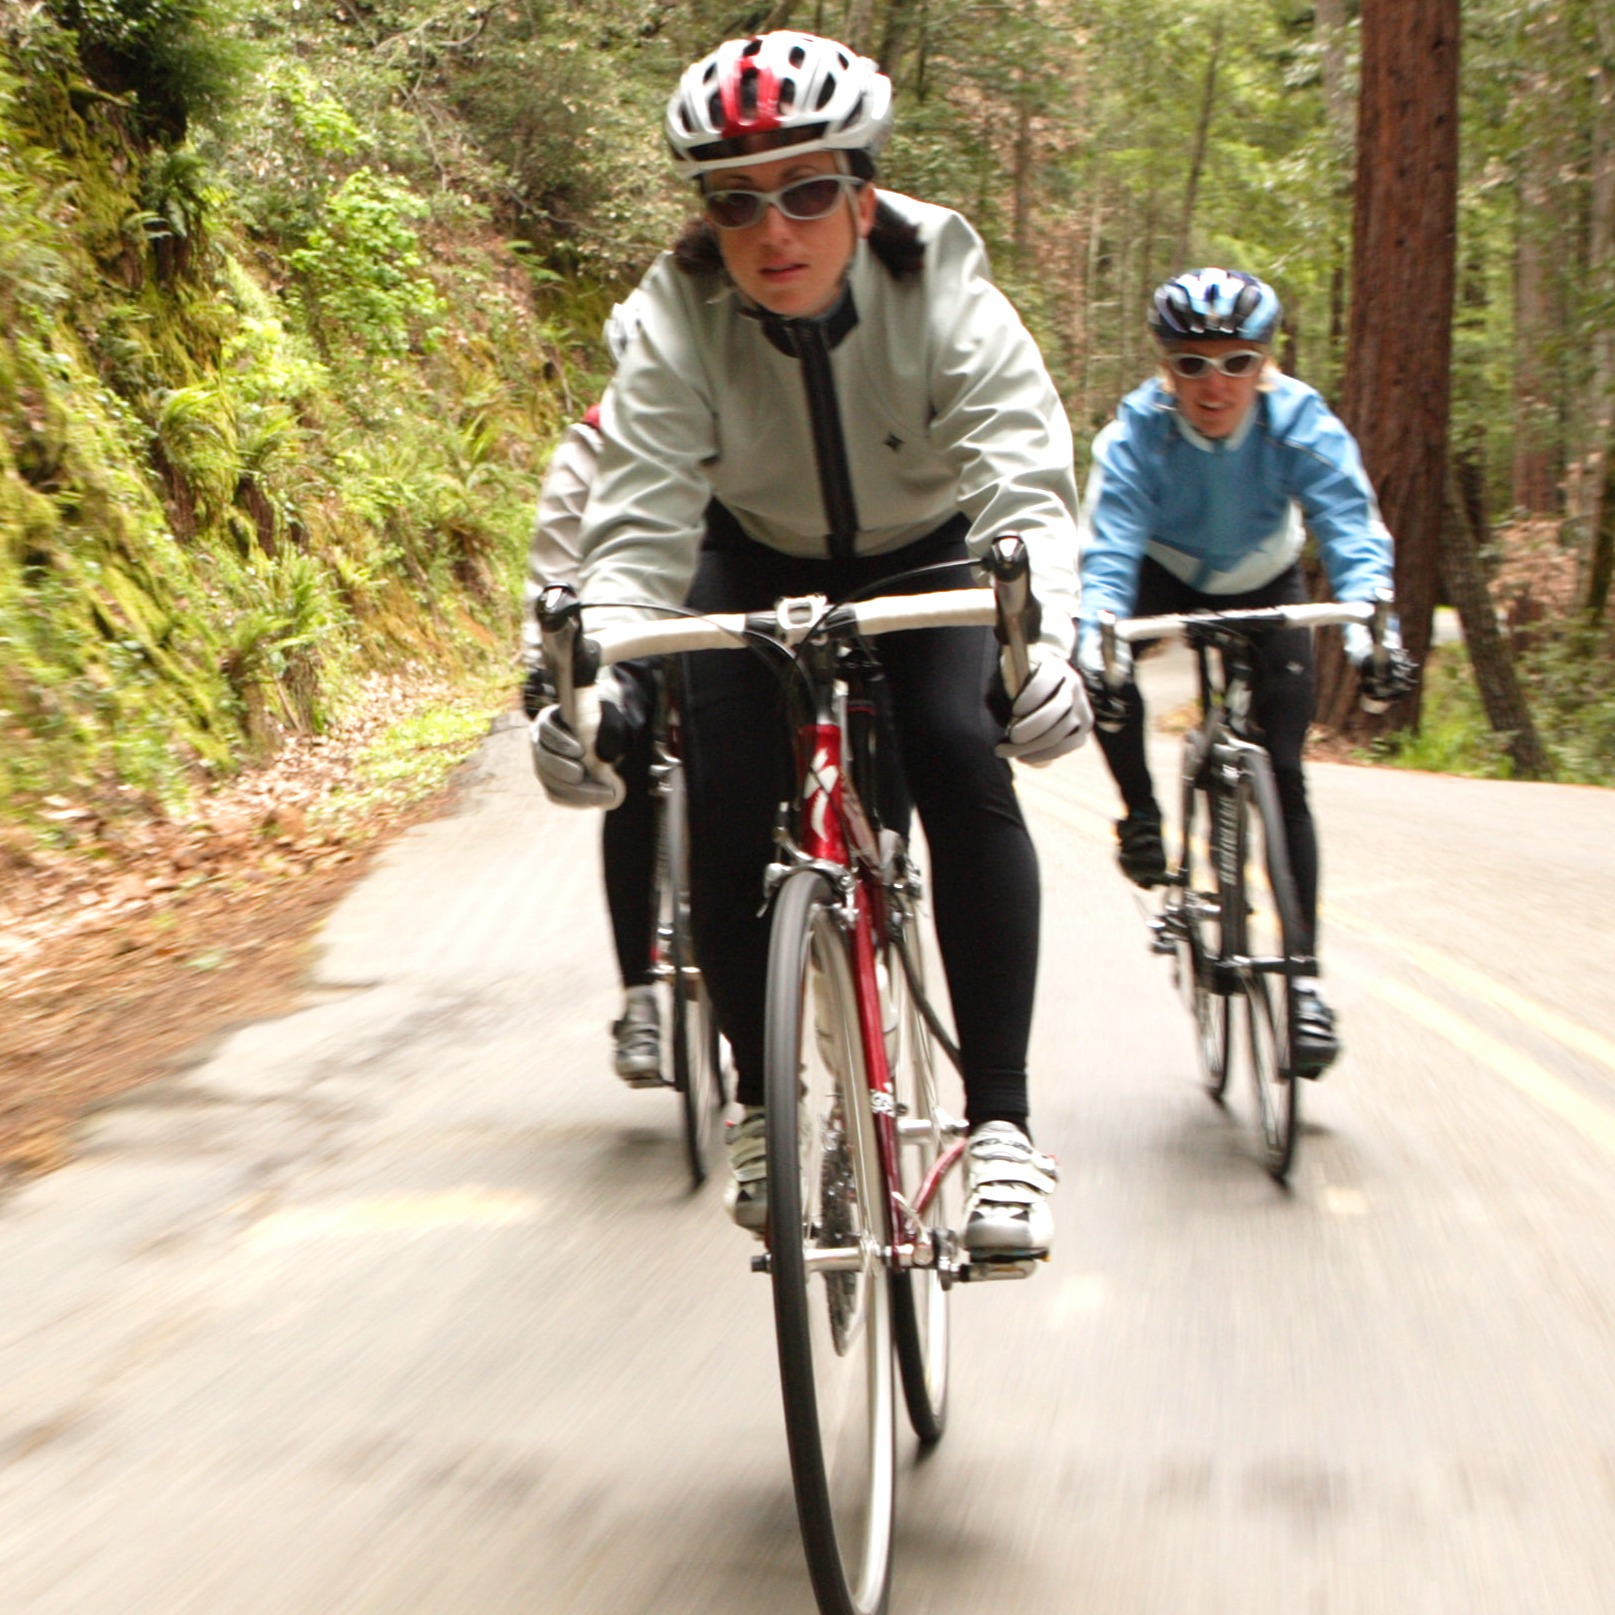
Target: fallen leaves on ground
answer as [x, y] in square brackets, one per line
[141, 935]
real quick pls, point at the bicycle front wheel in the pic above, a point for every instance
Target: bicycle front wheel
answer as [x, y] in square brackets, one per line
[920, 1294]
[1267, 924]
[827, 1236]
[1199, 932]
[696, 1072]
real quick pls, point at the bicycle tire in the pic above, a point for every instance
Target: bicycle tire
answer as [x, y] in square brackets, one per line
[1267, 922]
[833, 1328]
[920, 1321]
[1200, 936]
[696, 1073]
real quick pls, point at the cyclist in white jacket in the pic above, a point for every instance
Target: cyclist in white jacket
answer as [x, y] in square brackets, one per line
[628, 831]
[826, 391]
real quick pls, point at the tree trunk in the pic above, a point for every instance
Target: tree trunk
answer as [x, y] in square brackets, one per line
[1197, 160]
[1536, 471]
[1601, 557]
[894, 42]
[860, 24]
[1489, 653]
[1329, 24]
[1592, 479]
[1399, 343]
[1022, 177]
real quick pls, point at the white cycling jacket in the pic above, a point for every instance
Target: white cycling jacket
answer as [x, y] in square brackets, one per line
[908, 403]
[554, 554]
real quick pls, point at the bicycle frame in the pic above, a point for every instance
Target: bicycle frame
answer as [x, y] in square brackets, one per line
[835, 834]
[834, 831]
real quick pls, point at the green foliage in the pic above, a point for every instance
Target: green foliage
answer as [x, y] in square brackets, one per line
[1570, 682]
[365, 271]
[208, 525]
[1570, 676]
[1453, 736]
[179, 61]
[416, 757]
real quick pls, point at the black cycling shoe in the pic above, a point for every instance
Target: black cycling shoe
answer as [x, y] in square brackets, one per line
[1140, 850]
[1317, 1043]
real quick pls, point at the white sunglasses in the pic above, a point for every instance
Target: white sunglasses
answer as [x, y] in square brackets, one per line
[801, 199]
[1191, 366]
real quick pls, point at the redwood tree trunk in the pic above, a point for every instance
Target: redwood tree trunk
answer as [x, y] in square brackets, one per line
[1399, 341]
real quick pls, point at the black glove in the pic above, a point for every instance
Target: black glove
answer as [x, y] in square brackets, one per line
[1109, 706]
[1379, 686]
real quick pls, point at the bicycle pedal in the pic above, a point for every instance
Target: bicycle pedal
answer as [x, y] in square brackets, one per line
[979, 1270]
[646, 1079]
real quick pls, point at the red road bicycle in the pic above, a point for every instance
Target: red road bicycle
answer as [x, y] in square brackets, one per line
[864, 1156]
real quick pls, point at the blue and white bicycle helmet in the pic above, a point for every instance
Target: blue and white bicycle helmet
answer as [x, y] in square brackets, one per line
[1216, 305]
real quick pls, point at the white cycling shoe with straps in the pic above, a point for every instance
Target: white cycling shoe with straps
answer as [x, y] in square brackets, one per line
[746, 1196]
[1007, 1215]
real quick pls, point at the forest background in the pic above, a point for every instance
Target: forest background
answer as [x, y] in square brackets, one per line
[294, 299]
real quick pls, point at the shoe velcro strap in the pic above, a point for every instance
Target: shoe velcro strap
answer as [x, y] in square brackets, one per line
[748, 1153]
[1000, 1192]
[990, 1163]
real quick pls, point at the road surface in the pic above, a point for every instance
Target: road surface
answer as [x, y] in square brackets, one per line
[400, 1303]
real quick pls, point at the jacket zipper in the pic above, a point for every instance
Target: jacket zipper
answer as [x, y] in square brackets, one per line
[829, 445]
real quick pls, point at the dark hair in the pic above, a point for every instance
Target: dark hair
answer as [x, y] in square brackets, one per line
[894, 240]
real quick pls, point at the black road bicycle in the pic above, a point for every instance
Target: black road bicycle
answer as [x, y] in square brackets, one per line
[1229, 915]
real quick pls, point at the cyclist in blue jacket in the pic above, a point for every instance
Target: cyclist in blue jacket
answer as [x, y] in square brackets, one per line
[1195, 502]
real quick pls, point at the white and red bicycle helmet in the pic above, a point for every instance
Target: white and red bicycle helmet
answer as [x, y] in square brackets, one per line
[778, 90]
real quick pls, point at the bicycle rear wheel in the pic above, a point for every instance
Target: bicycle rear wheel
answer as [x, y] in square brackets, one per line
[827, 1233]
[920, 1294]
[696, 1072]
[1267, 924]
[1199, 931]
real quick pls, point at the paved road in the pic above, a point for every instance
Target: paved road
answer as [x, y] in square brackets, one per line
[399, 1305]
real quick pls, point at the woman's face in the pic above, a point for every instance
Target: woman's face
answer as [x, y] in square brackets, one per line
[1215, 404]
[792, 267]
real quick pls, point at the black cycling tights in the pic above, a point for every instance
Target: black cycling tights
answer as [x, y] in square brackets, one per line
[983, 870]
[628, 857]
[1283, 695]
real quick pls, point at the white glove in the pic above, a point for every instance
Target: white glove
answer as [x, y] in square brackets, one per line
[567, 768]
[1051, 715]
[1091, 657]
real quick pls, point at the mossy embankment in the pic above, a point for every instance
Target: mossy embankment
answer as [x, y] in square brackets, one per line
[265, 423]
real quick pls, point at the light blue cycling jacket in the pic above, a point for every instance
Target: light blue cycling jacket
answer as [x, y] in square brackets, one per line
[1226, 516]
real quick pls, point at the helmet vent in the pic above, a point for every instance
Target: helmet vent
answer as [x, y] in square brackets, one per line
[798, 56]
[787, 97]
[752, 46]
[826, 90]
